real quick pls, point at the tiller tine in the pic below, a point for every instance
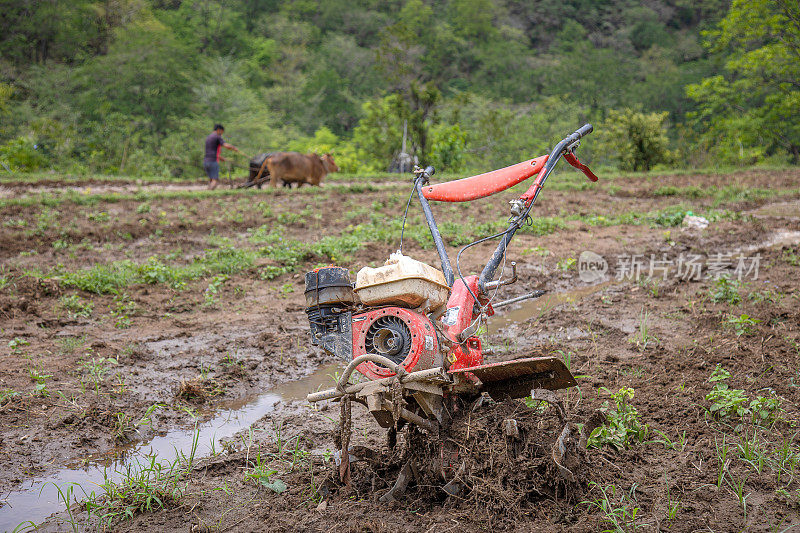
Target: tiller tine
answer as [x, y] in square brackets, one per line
[562, 448]
[565, 448]
[516, 378]
[408, 471]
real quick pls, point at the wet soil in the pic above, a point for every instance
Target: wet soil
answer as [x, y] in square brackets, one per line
[197, 358]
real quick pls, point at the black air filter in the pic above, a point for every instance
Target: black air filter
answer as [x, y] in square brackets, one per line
[328, 286]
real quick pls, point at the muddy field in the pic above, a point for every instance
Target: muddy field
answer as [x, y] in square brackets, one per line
[140, 321]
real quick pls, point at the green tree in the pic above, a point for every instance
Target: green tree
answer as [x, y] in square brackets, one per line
[35, 32]
[287, 73]
[209, 25]
[474, 19]
[448, 147]
[638, 140]
[598, 77]
[145, 75]
[646, 29]
[378, 135]
[753, 110]
[21, 154]
[133, 85]
[403, 45]
[499, 134]
[222, 92]
[340, 77]
[6, 95]
[420, 112]
[324, 141]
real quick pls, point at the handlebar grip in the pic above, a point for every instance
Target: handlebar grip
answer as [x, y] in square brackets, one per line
[584, 130]
[430, 171]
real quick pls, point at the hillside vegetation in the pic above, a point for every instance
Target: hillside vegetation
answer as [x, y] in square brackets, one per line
[132, 86]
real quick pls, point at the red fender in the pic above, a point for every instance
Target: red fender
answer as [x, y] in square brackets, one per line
[485, 184]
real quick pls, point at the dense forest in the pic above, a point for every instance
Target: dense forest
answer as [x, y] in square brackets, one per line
[133, 86]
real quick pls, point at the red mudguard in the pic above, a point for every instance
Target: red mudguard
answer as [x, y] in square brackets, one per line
[489, 183]
[486, 184]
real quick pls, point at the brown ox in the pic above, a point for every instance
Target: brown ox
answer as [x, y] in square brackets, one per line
[293, 167]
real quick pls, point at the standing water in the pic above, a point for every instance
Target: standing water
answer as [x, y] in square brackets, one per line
[38, 498]
[539, 306]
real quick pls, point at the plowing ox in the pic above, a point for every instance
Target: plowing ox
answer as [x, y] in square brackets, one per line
[290, 167]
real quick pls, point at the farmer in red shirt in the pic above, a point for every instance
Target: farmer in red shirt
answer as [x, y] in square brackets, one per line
[212, 158]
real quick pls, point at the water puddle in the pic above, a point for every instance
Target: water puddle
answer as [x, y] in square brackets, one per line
[538, 306]
[779, 238]
[790, 209]
[38, 498]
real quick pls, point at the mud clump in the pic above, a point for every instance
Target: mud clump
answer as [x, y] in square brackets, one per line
[493, 461]
[25, 291]
[197, 390]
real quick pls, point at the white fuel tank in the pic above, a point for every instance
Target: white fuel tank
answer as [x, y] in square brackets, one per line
[403, 282]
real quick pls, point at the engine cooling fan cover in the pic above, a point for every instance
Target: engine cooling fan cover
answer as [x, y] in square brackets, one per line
[389, 336]
[405, 337]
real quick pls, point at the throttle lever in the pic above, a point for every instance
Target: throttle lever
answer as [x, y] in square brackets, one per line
[573, 160]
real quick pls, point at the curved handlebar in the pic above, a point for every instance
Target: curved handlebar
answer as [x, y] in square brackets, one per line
[576, 136]
[565, 143]
[524, 205]
[424, 173]
[563, 149]
[585, 130]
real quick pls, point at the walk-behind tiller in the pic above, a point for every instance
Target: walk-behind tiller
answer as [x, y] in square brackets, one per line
[410, 329]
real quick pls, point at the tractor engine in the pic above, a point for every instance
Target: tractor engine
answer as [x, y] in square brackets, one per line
[386, 314]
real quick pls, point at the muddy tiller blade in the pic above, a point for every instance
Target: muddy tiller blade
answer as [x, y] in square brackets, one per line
[516, 378]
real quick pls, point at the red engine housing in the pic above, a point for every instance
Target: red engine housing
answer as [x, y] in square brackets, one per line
[424, 352]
